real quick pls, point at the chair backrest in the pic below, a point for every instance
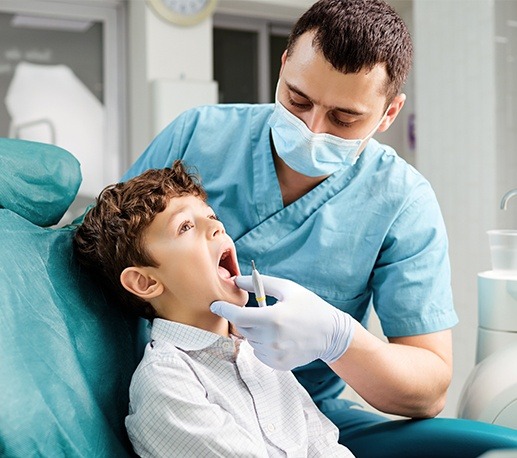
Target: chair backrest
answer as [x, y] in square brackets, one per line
[66, 354]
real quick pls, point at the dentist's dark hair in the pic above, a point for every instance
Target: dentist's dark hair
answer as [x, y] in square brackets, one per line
[111, 236]
[358, 34]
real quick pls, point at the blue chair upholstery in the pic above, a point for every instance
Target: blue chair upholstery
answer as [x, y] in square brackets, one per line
[431, 438]
[368, 434]
[66, 354]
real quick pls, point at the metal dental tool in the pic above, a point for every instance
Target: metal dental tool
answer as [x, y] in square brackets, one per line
[258, 286]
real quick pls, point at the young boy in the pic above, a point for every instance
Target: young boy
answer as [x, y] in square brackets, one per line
[199, 390]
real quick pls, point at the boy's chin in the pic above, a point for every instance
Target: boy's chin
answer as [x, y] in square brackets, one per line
[241, 299]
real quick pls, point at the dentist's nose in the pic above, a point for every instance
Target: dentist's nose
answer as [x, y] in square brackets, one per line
[315, 120]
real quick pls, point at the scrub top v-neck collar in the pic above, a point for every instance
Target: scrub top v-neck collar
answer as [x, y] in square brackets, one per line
[266, 187]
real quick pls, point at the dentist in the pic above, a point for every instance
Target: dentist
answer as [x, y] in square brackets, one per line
[307, 193]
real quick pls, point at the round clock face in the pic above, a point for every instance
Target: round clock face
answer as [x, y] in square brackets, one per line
[184, 12]
[186, 7]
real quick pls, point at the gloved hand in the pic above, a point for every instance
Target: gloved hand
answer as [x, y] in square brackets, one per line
[298, 329]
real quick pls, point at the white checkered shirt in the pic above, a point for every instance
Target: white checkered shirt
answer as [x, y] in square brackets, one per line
[198, 394]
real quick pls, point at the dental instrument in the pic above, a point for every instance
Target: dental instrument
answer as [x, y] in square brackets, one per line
[258, 286]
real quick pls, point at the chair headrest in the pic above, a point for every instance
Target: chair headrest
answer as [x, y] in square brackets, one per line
[38, 181]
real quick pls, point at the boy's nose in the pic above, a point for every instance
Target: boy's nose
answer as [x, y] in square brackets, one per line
[215, 228]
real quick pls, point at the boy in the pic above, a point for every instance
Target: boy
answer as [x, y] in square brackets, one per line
[199, 390]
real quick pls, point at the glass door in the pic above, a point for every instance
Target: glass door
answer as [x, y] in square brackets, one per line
[247, 54]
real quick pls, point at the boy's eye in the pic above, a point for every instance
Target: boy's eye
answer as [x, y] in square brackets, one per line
[213, 216]
[185, 226]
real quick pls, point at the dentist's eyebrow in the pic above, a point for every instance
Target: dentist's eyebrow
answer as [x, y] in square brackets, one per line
[348, 111]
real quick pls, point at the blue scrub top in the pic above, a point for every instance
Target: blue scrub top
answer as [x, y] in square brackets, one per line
[369, 234]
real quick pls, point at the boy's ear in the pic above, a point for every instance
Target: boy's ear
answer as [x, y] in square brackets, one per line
[137, 281]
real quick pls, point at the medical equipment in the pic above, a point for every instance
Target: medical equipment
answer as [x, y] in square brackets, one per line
[258, 286]
[490, 393]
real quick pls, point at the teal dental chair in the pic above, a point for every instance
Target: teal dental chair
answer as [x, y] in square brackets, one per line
[67, 354]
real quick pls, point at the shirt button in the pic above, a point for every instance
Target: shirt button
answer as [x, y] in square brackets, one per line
[271, 427]
[227, 346]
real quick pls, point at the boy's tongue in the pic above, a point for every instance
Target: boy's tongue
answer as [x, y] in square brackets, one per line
[223, 273]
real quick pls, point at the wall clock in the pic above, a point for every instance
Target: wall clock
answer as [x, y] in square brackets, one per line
[183, 12]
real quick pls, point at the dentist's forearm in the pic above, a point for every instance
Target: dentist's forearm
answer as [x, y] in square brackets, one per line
[400, 379]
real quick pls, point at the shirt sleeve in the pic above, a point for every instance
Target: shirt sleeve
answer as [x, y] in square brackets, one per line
[411, 280]
[170, 415]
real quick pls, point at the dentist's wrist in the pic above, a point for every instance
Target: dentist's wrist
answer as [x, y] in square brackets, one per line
[342, 336]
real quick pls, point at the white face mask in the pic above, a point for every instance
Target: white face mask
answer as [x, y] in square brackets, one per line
[308, 153]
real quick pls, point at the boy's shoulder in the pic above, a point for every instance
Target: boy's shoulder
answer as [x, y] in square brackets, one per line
[167, 353]
[159, 364]
[160, 354]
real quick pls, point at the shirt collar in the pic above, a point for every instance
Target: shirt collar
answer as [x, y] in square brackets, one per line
[183, 336]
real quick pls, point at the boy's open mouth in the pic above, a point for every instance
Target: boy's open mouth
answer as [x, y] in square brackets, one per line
[227, 267]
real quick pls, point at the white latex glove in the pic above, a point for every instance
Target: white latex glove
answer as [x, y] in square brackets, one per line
[298, 329]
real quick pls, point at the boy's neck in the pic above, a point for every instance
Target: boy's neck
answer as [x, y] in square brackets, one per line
[198, 317]
[224, 329]
[217, 325]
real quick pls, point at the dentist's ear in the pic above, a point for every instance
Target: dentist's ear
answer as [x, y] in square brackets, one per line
[282, 60]
[137, 281]
[393, 111]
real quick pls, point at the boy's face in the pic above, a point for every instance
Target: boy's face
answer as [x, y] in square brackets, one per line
[197, 261]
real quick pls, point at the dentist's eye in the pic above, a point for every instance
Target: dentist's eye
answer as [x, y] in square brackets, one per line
[342, 123]
[300, 106]
[339, 122]
[185, 226]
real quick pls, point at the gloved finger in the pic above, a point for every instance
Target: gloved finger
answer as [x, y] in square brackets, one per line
[225, 310]
[242, 317]
[273, 286]
[244, 282]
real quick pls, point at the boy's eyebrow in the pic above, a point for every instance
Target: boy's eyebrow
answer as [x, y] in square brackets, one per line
[175, 213]
[298, 91]
[181, 209]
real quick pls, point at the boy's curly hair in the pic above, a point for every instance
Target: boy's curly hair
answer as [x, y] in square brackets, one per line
[110, 238]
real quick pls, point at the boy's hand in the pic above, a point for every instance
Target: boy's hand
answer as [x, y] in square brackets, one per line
[298, 329]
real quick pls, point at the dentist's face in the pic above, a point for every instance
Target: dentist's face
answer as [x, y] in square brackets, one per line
[347, 105]
[197, 260]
